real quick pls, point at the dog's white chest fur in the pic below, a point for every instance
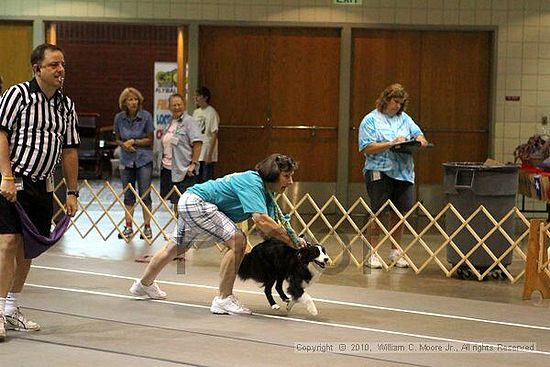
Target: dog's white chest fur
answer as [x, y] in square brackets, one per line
[315, 272]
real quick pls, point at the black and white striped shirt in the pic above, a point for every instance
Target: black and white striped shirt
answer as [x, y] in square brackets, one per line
[38, 129]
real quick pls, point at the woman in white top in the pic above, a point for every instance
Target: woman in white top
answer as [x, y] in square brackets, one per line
[181, 147]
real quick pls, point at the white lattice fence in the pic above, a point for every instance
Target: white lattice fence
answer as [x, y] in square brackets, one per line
[343, 231]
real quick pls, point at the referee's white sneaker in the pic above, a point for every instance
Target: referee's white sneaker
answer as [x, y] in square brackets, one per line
[18, 322]
[151, 291]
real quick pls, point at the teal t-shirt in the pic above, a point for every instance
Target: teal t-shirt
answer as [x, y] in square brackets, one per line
[237, 195]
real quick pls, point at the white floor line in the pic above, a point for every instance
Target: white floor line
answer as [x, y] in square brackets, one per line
[292, 319]
[342, 303]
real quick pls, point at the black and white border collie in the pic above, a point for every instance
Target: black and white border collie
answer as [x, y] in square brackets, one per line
[272, 261]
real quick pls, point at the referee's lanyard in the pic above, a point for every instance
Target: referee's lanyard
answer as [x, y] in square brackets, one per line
[20, 185]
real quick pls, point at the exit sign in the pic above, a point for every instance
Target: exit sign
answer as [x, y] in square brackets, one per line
[348, 2]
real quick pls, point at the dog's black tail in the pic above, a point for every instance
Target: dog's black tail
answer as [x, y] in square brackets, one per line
[245, 270]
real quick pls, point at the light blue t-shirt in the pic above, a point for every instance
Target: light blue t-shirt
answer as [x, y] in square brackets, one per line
[237, 195]
[140, 128]
[378, 127]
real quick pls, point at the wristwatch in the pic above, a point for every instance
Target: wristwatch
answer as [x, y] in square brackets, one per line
[74, 193]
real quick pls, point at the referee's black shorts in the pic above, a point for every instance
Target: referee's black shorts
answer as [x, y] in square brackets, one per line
[38, 204]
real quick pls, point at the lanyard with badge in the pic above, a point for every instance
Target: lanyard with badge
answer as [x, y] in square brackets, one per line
[49, 183]
[18, 182]
[19, 185]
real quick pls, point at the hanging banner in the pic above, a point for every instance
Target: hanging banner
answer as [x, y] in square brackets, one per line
[166, 80]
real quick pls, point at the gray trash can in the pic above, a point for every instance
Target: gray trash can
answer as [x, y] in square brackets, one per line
[467, 185]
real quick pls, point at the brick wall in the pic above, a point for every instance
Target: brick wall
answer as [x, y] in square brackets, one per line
[103, 58]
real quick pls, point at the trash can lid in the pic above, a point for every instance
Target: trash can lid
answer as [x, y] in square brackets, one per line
[481, 166]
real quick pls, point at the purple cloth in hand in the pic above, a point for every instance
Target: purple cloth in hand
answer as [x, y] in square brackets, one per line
[33, 242]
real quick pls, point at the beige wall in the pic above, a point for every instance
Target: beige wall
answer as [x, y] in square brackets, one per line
[523, 51]
[523, 36]
[15, 46]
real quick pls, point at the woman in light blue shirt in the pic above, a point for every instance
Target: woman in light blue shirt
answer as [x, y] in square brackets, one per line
[389, 174]
[133, 128]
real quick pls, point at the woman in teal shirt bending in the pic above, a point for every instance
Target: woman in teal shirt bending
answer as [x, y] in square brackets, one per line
[208, 212]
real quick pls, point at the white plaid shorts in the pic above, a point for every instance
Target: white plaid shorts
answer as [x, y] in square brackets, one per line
[200, 221]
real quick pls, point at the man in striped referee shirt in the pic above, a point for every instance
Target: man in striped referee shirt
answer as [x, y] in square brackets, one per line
[38, 130]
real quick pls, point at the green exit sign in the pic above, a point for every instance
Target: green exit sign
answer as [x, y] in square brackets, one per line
[348, 2]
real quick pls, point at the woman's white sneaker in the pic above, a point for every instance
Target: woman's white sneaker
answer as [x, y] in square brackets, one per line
[401, 262]
[374, 262]
[229, 305]
[151, 291]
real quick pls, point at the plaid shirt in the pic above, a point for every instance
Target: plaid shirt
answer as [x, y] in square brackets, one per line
[377, 127]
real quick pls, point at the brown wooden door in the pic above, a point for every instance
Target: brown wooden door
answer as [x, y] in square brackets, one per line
[447, 77]
[16, 47]
[234, 65]
[277, 78]
[380, 58]
[454, 100]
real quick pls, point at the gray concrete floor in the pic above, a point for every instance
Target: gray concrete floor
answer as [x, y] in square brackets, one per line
[77, 291]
